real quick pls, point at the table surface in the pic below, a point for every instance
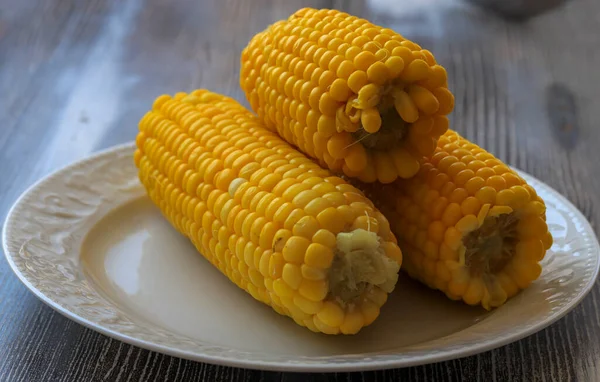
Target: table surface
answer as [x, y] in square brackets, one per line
[75, 77]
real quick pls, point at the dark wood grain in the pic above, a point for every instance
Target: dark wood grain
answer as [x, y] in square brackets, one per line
[75, 76]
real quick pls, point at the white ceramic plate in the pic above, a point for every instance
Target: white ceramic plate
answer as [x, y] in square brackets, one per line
[87, 242]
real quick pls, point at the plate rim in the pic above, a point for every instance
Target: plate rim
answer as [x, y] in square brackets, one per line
[314, 365]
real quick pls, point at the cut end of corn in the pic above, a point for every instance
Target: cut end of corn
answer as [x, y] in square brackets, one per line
[467, 224]
[360, 98]
[360, 264]
[280, 227]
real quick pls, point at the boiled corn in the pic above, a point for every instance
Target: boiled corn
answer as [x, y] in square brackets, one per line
[467, 224]
[359, 98]
[286, 231]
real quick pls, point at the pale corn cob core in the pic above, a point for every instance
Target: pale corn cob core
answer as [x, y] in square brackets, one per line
[359, 98]
[280, 227]
[467, 224]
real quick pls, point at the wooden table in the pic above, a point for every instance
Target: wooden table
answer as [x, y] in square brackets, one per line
[75, 77]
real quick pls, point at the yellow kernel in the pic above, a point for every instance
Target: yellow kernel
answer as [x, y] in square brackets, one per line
[405, 106]
[474, 292]
[323, 187]
[305, 197]
[456, 168]
[364, 60]
[378, 73]
[437, 78]
[369, 96]
[357, 80]
[395, 66]
[282, 213]
[402, 52]
[440, 125]
[331, 314]
[280, 239]
[424, 144]
[353, 322]
[369, 311]
[442, 272]
[380, 54]
[345, 70]
[293, 218]
[322, 327]
[406, 165]
[331, 220]
[335, 63]
[459, 282]
[307, 306]
[318, 256]
[476, 165]
[461, 178]
[486, 194]
[326, 125]
[339, 90]
[312, 273]
[486, 172]
[452, 214]
[292, 275]
[356, 157]
[421, 126]
[324, 237]
[497, 182]
[511, 179]
[317, 205]
[470, 205]
[532, 226]
[367, 223]
[282, 289]
[415, 71]
[392, 251]
[438, 207]
[295, 248]
[314, 290]
[457, 195]
[446, 253]
[290, 188]
[505, 198]
[328, 105]
[467, 224]
[521, 196]
[445, 100]
[430, 249]
[306, 226]
[453, 238]
[385, 167]
[475, 184]
[532, 208]
[529, 250]
[326, 58]
[436, 231]
[276, 263]
[338, 143]
[371, 120]
[423, 99]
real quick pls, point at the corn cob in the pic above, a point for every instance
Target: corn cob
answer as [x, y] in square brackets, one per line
[280, 227]
[357, 97]
[467, 224]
